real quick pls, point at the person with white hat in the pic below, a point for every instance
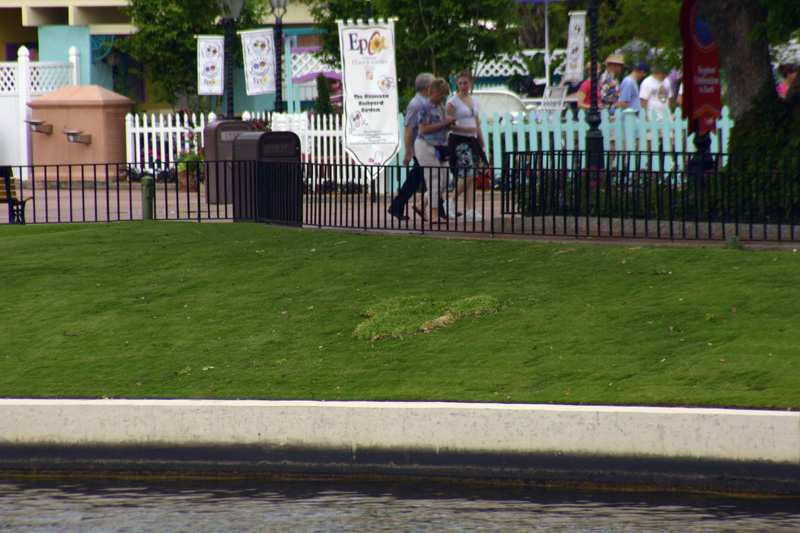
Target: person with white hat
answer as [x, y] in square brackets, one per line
[609, 81]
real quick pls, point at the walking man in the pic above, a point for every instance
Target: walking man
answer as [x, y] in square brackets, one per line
[629, 88]
[410, 131]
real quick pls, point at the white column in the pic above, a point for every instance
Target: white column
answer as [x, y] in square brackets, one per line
[24, 94]
[75, 59]
[130, 139]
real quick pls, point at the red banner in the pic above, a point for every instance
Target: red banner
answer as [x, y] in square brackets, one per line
[702, 103]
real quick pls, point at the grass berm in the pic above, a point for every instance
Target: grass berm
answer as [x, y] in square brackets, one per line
[188, 310]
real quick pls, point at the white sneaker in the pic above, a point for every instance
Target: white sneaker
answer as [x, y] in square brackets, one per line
[451, 208]
[474, 216]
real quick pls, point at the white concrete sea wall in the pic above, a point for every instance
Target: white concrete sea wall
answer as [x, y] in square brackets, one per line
[450, 439]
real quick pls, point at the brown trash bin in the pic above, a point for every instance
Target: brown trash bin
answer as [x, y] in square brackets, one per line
[218, 137]
[275, 195]
[79, 125]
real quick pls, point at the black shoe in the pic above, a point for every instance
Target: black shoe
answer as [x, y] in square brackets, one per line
[398, 216]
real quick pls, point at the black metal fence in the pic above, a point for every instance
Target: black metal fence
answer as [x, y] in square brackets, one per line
[673, 195]
[652, 195]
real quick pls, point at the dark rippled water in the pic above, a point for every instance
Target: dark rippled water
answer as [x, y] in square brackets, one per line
[344, 507]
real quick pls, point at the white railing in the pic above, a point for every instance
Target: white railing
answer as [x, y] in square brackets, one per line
[20, 82]
[629, 131]
[153, 140]
[163, 138]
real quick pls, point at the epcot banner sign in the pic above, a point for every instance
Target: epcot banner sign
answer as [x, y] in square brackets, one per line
[371, 109]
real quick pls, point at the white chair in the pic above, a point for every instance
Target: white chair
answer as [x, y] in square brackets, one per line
[551, 104]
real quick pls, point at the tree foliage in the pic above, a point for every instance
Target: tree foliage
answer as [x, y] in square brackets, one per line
[743, 29]
[438, 37]
[530, 23]
[323, 104]
[165, 44]
[624, 21]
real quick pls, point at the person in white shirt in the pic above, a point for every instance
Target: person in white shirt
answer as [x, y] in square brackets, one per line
[655, 93]
[467, 148]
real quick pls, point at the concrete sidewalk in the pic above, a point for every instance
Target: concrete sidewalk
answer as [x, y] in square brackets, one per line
[647, 447]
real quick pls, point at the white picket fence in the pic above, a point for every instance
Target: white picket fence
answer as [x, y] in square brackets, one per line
[20, 82]
[153, 140]
[162, 138]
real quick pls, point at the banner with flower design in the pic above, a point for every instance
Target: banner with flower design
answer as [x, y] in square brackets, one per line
[371, 109]
[210, 64]
[259, 61]
[576, 40]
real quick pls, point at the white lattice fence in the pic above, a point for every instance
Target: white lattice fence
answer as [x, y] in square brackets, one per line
[47, 77]
[508, 65]
[8, 78]
[19, 83]
[305, 62]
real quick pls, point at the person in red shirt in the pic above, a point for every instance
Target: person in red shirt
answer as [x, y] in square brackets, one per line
[584, 101]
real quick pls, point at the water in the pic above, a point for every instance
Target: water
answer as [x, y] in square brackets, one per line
[344, 507]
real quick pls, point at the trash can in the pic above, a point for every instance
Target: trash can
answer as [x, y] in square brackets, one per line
[269, 180]
[218, 138]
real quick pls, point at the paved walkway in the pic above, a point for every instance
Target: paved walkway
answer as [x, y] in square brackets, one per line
[359, 213]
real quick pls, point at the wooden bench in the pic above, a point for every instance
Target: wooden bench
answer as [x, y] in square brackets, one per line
[8, 195]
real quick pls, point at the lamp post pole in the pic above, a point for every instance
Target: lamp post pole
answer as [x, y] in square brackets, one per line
[229, 34]
[279, 66]
[594, 137]
[279, 10]
[231, 9]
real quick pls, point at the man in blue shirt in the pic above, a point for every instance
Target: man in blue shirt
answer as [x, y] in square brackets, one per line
[415, 176]
[629, 88]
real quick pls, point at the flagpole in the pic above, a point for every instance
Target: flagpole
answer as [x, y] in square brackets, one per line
[546, 47]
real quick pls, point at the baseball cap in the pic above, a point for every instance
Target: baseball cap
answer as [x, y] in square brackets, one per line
[641, 65]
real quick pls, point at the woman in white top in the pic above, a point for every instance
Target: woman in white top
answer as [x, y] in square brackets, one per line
[431, 141]
[467, 149]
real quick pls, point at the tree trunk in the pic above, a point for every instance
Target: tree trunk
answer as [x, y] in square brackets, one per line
[763, 120]
[746, 62]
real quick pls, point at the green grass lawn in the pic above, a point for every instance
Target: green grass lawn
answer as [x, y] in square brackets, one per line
[187, 310]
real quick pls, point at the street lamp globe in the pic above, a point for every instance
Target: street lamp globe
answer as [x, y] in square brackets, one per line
[280, 6]
[231, 9]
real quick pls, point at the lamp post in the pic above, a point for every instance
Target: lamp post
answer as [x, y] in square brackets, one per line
[231, 9]
[594, 137]
[279, 10]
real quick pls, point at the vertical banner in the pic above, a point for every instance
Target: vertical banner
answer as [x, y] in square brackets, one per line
[210, 64]
[258, 47]
[372, 132]
[576, 42]
[702, 101]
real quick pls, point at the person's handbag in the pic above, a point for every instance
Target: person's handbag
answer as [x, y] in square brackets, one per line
[483, 181]
[443, 153]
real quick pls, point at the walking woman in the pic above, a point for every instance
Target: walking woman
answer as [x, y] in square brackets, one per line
[431, 146]
[467, 148]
